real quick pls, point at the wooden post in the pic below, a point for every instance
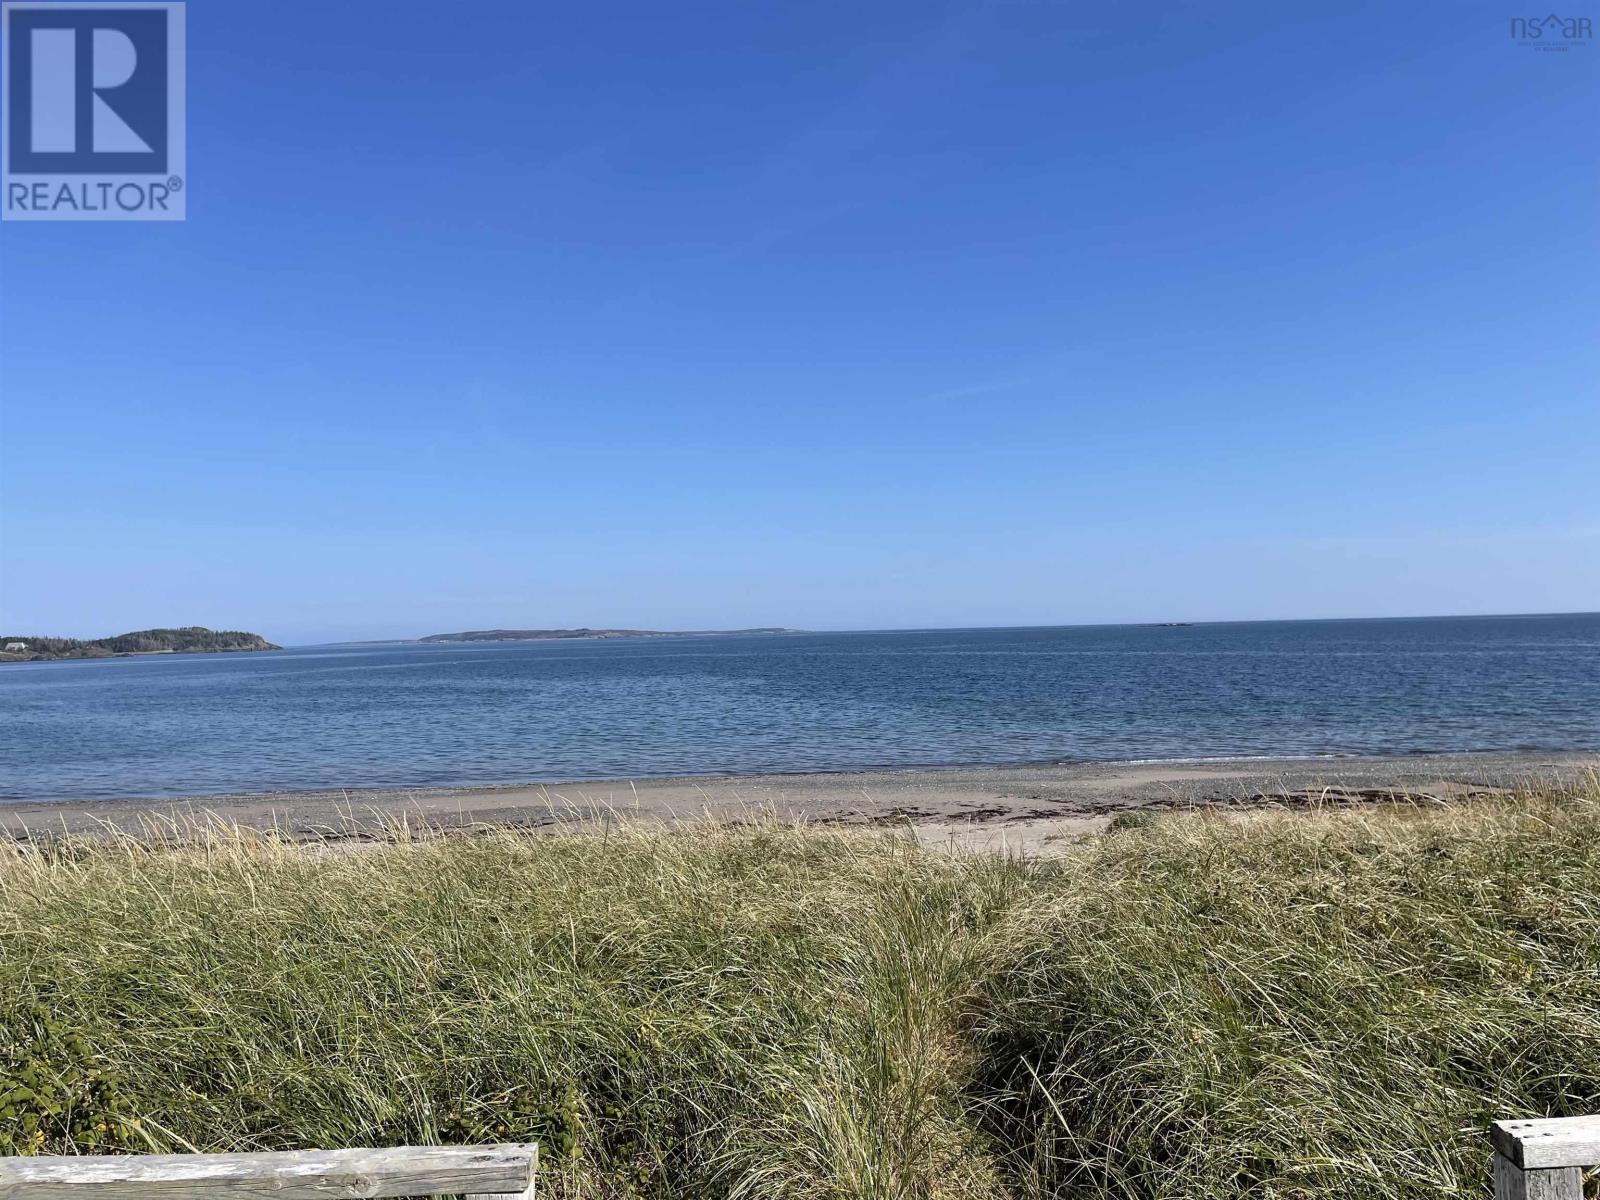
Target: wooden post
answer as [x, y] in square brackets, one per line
[1512, 1182]
[1543, 1159]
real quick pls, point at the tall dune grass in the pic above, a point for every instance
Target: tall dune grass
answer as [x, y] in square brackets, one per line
[1296, 1005]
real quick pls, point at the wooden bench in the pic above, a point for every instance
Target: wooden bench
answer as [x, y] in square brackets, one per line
[477, 1172]
[1544, 1159]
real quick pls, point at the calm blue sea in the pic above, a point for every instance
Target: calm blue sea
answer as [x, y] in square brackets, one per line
[369, 716]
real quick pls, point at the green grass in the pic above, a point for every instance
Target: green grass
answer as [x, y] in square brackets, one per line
[1306, 1005]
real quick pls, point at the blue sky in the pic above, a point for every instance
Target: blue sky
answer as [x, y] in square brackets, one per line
[827, 315]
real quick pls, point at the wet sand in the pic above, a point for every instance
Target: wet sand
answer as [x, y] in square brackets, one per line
[1028, 808]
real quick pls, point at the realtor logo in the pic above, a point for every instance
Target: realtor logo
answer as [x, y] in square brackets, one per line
[93, 127]
[1552, 32]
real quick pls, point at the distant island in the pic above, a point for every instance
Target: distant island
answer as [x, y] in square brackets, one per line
[193, 639]
[542, 635]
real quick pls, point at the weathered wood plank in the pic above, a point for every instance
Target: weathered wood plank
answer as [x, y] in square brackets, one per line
[533, 1182]
[1512, 1182]
[1549, 1142]
[294, 1175]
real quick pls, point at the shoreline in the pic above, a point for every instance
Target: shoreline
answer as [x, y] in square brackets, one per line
[1025, 806]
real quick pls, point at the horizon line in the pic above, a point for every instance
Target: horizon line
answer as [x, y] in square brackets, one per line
[981, 628]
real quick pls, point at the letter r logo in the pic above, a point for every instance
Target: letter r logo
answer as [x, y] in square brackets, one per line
[87, 89]
[55, 91]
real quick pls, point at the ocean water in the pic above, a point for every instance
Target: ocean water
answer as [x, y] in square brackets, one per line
[415, 716]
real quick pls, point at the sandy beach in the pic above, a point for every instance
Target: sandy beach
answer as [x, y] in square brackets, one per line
[1028, 808]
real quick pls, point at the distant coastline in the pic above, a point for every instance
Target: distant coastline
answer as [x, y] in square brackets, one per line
[191, 639]
[542, 635]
